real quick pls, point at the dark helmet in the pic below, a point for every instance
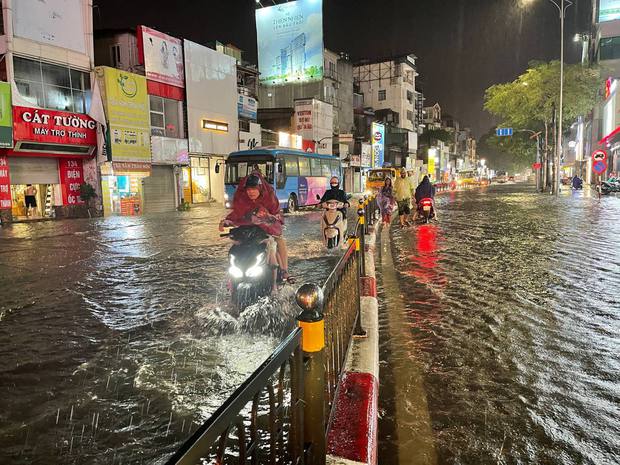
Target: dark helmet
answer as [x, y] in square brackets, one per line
[253, 181]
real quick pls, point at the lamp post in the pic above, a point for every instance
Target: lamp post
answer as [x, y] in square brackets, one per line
[562, 6]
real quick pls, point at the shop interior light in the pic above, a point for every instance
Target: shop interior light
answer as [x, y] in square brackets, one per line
[214, 125]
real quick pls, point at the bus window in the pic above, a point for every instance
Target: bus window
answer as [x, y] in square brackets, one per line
[315, 165]
[304, 166]
[235, 171]
[280, 175]
[335, 167]
[327, 171]
[291, 167]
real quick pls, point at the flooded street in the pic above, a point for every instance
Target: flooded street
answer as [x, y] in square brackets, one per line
[115, 336]
[500, 332]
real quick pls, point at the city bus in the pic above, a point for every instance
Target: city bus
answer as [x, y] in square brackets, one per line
[376, 178]
[297, 176]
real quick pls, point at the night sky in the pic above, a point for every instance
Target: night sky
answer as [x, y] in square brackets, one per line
[463, 46]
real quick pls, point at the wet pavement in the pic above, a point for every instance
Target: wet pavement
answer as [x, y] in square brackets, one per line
[115, 336]
[500, 332]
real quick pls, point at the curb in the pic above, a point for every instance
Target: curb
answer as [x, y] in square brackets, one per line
[352, 433]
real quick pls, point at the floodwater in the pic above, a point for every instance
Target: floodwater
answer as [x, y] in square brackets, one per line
[500, 329]
[115, 336]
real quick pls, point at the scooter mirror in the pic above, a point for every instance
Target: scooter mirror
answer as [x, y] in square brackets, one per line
[217, 168]
[318, 197]
[280, 169]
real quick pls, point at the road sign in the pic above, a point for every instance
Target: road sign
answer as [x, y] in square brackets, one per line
[599, 155]
[536, 166]
[599, 166]
[503, 132]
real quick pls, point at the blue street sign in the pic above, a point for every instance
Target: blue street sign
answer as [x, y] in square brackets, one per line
[503, 132]
[599, 167]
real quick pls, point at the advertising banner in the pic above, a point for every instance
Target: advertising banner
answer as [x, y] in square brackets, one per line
[431, 166]
[162, 56]
[314, 122]
[378, 144]
[5, 184]
[366, 157]
[609, 10]
[6, 116]
[71, 178]
[170, 151]
[290, 42]
[247, 107]
[47, 22]
[53, 127]
[127, 107]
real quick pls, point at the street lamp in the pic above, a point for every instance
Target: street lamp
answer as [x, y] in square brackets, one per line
[562, 6]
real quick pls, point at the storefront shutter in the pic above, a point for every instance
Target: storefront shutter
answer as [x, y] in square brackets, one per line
[158, 190]
[33, 170]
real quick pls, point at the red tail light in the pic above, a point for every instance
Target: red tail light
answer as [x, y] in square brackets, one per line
[426, 202]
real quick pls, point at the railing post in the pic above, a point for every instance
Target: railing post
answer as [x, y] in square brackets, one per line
[360, 250]
[311, 320]
[361, 234]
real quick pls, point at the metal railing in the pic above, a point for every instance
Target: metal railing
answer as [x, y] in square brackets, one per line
[281, 412]
[262, 421]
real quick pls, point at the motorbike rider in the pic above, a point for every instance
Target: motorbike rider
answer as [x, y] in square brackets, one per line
[425, 190]
[255, 203]
[576, 182]
[402, 192]
[335, 193]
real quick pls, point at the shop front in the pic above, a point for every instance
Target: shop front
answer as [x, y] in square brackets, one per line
[44, 170]
[121, 186]
[165, 189]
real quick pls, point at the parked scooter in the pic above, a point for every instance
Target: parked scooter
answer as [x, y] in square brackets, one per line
[251, 271]
[426, 209]
[333, 223]
[609, 186]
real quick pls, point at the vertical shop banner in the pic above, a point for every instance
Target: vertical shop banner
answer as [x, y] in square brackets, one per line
[71, 178]
[378, 144]
[5, 184]
[127, 105]
[6, 116]
[290, 42]
[247, 107]
[162, 56]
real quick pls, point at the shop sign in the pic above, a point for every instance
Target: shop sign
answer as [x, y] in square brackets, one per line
[6, 120]
[71, 178]
[5, 184]
[303, 117]
[127, 106]
[121, 167]
[162, 56]
[247, 107]
[356, 160]
[366, 157]
[53, 127]
[378, 144]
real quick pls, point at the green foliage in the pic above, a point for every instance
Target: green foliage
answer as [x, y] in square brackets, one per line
[511, 154]
[87, 192]
[430, 135]
[529, 100]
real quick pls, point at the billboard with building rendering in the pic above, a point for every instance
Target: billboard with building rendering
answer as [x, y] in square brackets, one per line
[290, 42]
[609, 10]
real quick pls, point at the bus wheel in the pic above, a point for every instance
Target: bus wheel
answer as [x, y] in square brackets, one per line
[292, 204]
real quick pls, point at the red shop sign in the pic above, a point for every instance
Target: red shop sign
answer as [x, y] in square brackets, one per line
[53, 127]
[71, 178]
[5, 184]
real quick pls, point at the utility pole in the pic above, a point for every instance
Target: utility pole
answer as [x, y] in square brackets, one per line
[562, 7]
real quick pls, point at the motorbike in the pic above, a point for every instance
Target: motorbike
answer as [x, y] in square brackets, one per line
[333, 223]
[577, 184]
[251, 275]
[426, 209]
[609, 186]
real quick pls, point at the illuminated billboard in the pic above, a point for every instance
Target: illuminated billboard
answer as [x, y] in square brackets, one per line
[608, 10]
[290, 42]
[378, 144]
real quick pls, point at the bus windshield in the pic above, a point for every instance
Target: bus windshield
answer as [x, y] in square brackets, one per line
[237, 170]
[379, 175]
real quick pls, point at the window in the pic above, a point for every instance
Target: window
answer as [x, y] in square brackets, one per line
[165, 117]
[291, 167]
[410, 115]
[115, 53]
[304, 166]
[315, 166]
[52, 86]
[410, 96]
[610, 48]
[280, 174]
[382, 95]
[327, 172]
[236, 170]
[335, 166]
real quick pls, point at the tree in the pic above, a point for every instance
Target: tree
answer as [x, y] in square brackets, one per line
[530, 101]
[430, 135]
[512, 154]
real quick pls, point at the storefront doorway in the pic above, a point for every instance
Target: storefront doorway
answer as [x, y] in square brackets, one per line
[121, 185]
[35, 187]
[201, 187]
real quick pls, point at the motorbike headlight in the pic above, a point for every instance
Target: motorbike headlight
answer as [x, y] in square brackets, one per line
[234, 270]
[258, 268]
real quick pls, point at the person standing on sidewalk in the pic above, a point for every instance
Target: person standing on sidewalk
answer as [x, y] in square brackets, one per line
[402, 193]
[386, 201]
